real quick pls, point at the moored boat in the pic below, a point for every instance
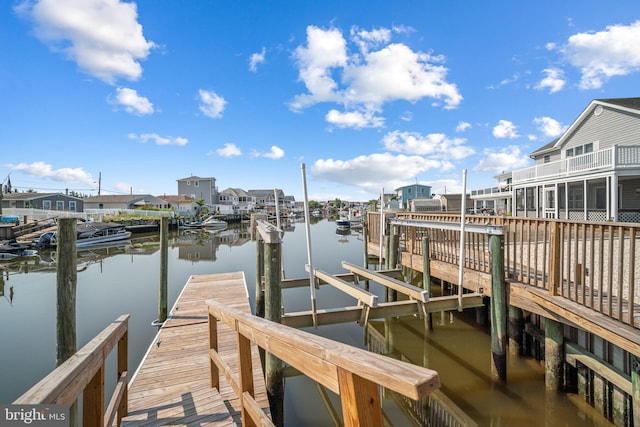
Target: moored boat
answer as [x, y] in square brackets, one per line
[11, 249]
[213, 223]
[88, 234]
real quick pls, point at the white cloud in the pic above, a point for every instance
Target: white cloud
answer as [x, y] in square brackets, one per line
[44, 170]
[229, 150]
[159, 140]
[508, 158]
[368, 78]
[132, 102]
[549, 127]
[463, 126]
[554, 80]
[257, 59]
[505, 129]
[604, 54]
[371, 172]
[435, 145]
[211, 104]
[354, 119]
[370, 39]
[275, 153]
[102, 36]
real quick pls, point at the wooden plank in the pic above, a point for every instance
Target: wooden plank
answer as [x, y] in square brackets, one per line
[173, 385]
[361, 295]
[404, 288]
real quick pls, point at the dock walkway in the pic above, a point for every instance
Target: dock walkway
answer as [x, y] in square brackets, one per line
[172, 385]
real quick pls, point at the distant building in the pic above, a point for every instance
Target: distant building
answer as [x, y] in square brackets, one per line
[409, 192]
[453, 202]
[199, 188]
[182, 205]
[132, 201]
[426, 205]
[238, 201]
[45, 201]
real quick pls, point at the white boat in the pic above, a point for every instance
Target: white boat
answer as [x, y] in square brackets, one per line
[88, 234]
[11, 249]
[212, 223]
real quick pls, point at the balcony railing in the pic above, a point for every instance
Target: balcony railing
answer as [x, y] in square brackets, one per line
[610, 158]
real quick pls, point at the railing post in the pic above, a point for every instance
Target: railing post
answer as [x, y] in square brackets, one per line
[123, 369]
[426, 280]
[93, 400]
[246, 375]
[214, 374]
[360, 400]
[554, 259]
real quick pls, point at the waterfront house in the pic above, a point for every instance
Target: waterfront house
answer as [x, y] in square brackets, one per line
[199, 188]
[266, 199]
[591, 172]
[129, 201]
[236, 200]
[182, 205]
[44, 201]
[414, 191]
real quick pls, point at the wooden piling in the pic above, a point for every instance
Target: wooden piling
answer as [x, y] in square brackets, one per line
[66, 283]
[516, 329]
[553, 354]
[273, 302]
[163, 293]
[259, 278]
[498, 310]
[426, 280]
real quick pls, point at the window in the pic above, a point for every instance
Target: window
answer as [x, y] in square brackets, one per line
[46, 204]
[72, 206]
[576, 198]
[547, 158]
[188, 182]
[579, 150]
[588, 148]
[196, 183]
[569, 152]
[59, 205]
[601, 197]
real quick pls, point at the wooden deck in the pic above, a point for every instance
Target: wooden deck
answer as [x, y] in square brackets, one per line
[172, 385]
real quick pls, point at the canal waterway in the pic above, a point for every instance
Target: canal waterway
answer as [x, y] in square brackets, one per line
[125, 280]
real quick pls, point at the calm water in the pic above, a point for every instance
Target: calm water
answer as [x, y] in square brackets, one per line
[118, 280]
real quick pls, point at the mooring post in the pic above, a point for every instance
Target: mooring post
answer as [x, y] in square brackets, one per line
[259, 277]
[67, 280]
[635, 386]
[516, 326]
[426, 280]
[273, 302]
[498, 309]
[365, 239]
[553, 354]
[163, 294]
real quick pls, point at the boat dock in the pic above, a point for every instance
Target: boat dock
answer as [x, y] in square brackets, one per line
[172, 385]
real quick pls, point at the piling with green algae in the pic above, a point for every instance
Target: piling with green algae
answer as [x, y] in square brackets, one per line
[498, 309]
[163, 294]
[274, 376]
[66, 284]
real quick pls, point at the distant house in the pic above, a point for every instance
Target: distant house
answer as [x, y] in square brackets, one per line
[45, 201]
[414, 191]
[266, 199]
[182, 205]
[453, 202]
[133, 201]
[426, 205]
[497, 199]
[199, 188]
[236, 200]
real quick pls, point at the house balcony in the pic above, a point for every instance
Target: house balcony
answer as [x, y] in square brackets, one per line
[491, 193]
[609, 159]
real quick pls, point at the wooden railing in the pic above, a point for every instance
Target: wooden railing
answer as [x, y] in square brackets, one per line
[84, 373]
[354, 374]
[594, 264]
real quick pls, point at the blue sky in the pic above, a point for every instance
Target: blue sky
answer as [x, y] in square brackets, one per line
[367, 94]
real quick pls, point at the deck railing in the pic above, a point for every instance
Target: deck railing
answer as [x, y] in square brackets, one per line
[84, 373]
[354, 374]
[595, 264]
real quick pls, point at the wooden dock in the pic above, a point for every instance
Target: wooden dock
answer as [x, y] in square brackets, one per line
[172, 385]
